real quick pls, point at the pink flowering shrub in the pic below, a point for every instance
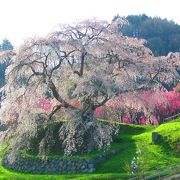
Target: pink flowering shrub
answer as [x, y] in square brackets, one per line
[146, 107]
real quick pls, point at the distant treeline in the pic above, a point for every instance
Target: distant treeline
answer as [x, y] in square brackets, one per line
[162, 36]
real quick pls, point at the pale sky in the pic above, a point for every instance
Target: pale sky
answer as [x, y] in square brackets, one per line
[20, 19]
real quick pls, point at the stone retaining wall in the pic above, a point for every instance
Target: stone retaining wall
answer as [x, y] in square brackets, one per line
[53, 165]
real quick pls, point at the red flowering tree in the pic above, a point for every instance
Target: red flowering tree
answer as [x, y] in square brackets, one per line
[145, 107]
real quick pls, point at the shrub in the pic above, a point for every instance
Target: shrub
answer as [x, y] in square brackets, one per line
[145, 107]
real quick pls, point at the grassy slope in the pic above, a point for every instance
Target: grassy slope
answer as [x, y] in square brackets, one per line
[128, 141]
[156, 155]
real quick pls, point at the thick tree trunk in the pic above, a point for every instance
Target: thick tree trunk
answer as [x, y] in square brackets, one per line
[83, 133]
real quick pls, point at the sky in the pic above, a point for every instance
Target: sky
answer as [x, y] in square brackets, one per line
[21, 19]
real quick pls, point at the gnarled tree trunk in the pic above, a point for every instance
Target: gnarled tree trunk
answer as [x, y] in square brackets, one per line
[83, 133]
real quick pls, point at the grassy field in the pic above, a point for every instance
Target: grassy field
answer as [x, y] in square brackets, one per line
[130, 139]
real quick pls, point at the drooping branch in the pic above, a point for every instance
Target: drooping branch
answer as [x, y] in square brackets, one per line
[54, 90]
[60, 59]
[80, 72]
[82, 63]
[55, 109]
[152, 78]
[101, 103]
[35, 72]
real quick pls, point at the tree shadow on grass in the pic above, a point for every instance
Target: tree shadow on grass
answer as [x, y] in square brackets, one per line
[132, 129]
[126, 151]
[167, 148]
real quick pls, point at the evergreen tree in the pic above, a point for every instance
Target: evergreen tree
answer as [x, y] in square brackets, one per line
[6, 45]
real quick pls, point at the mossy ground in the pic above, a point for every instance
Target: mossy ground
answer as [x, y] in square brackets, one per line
[131, 138]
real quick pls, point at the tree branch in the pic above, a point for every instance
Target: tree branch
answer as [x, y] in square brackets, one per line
[101, 103]
[58, 97]
[80, 73]
[55, 109]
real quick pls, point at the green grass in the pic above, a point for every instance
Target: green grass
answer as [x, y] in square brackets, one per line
[131, 138]
[157, 155]
[170, 135]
